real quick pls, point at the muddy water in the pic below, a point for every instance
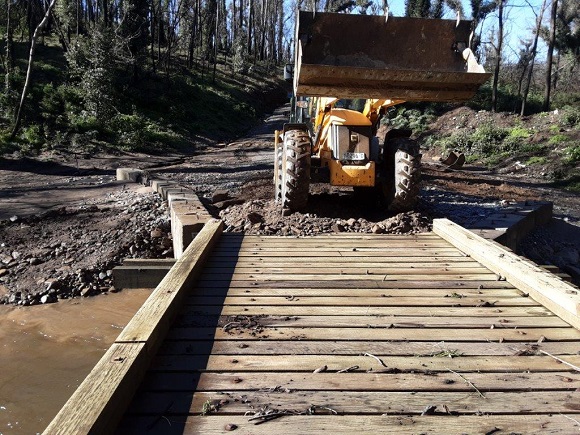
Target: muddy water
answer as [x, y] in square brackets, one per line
[46, 351]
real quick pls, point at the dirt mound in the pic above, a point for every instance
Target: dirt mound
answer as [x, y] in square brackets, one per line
[265, 217]
[70, 251]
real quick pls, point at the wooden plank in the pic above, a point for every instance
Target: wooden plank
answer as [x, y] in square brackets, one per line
[337, 261]
[348, 424]
[399, 334]
[205, 282]
[356, 402]
[353, 293]
[344, 270]
[560, 297]
[336, 347]
[99, 402]
[338, 277]
[399, 253]
[338, 321]
[364, 301]
[280, 262]
[371, 311]
[152, 321]
[334, 363]
[297, 381]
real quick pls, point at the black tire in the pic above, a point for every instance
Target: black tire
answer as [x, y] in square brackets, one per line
[295, 170]
[406, 172]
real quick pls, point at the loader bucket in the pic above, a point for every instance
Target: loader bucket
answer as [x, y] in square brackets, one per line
[367, 56]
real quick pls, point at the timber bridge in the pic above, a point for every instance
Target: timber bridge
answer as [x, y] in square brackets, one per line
[441, 332]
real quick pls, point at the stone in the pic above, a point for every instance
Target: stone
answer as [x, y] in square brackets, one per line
[377, 229]
[220, 195]
[156, 233]
[228, 203]
[102, 275]
[14, 218]
[3, 272]
[351, 222]
[47, 299]
[15, 255]
[255, 218]
[34, 261]
[337, 228]
[52, 284]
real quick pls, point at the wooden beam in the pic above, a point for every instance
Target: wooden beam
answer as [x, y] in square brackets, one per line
[100, 401]
[152, 321]
[555, 294]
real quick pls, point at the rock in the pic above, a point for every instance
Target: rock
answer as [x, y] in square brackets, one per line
[337, 228]
[15, 255]
[33, 261]
[13, 218]
[6, 259]
[228, 203]
[47, 299]
[377, 229]
[229, 427]
[255, 218]
[220, 195]
[156, 233]
[3, 272]
[52, 284]
[351, 222]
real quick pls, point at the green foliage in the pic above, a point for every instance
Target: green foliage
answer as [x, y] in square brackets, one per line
[537, 160]
[572, 154]
[516, 138]
[91, 62]
[557, 138]
[413, 119]
[571, 116]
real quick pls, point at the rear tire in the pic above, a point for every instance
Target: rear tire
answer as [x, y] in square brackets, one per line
[295, 169]
[407, 173]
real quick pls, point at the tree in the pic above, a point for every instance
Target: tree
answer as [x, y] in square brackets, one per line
[534, 50]
[27, 82]
[551, 44]
[498, 53]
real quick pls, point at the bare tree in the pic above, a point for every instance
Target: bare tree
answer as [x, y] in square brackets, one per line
[551, 44]
[539, 18]
[26, 86]
[498, 52]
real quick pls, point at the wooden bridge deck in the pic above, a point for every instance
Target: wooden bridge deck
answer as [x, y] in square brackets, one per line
[345, 334]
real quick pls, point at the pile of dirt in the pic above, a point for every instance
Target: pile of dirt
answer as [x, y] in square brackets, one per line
[70, 251]
[266, 217]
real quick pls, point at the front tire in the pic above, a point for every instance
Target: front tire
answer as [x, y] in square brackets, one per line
[405, 173]
[295, 169]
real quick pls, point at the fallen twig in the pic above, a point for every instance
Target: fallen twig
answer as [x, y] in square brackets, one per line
[561, 360]
[375, 357]
[349, 369]
[570, 418]
[469, 382]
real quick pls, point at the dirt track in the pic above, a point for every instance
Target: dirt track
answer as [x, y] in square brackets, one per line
[71, 221]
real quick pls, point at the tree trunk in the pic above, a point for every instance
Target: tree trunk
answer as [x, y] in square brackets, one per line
[534, 49]
[498, 57]
[26, 86]
[551, 43]
[9, 61]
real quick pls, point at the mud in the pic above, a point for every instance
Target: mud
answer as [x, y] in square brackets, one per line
[46, 351]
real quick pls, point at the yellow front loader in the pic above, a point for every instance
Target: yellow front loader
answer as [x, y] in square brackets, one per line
[348, 69]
